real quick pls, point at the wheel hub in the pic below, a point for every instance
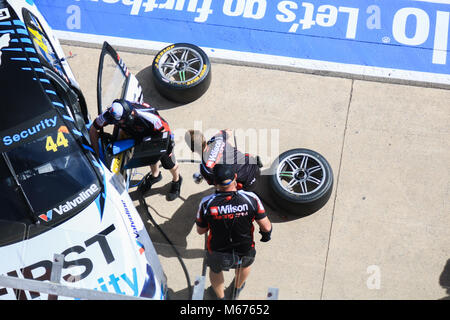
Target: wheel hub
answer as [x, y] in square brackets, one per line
[180, 66]
[300, 175]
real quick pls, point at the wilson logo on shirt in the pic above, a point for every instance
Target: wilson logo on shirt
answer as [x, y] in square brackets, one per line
[214, 211]
[229, 211]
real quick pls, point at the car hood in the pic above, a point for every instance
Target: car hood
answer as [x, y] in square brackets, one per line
[105, 248]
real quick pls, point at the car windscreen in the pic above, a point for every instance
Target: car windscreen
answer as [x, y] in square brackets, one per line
[42, 44]
[49, 178]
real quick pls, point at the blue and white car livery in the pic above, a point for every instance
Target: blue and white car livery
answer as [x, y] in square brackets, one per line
[56, 197]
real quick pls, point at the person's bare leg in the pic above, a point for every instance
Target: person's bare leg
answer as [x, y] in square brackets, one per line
[175, 173]
[154, 169]
[241, 275]
[217, 283]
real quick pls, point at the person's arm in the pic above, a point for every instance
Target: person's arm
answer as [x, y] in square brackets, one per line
[93, 135]
[101, 121]
[265, 229]
[202, 226]
[264, 224]
[201, 230]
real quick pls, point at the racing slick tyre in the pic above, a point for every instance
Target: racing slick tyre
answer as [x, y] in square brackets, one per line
[301, 181]
[181, 72]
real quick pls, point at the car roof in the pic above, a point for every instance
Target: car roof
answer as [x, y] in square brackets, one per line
[26, 92]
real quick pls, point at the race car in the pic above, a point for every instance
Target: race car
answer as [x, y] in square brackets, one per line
[56, 196]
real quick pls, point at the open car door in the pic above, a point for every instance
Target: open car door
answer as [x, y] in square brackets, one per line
[114, 80]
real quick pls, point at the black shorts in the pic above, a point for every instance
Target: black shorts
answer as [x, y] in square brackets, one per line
[252, 175]
[168, 160]
[224, 261]
[248, 176]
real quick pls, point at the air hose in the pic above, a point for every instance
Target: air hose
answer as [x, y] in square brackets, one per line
[144, 205]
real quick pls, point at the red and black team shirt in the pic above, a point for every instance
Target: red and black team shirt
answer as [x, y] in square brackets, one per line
[147, 121]
[220, 151]
[229, 217]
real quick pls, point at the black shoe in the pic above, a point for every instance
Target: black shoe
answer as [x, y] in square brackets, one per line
[147, 182]
[174, 189]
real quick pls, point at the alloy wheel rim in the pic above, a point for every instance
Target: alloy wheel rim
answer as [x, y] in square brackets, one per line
[180, 65]
[301, 174]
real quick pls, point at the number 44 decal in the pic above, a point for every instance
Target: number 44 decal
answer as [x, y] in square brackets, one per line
[61, 140]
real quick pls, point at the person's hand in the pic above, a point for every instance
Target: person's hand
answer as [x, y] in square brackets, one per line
[266, 236]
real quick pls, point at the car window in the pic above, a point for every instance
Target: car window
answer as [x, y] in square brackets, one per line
[71, 100]
[55, 175]
[13, 204]
[113, 81]
[42, 44]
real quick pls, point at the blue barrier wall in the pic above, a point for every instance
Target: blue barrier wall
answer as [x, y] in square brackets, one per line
[394, 34]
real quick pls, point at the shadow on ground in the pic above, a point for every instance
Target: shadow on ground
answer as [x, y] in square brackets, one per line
[275, 213]
[444, 280]
[177, 227]
[151, 95]
[180, 224]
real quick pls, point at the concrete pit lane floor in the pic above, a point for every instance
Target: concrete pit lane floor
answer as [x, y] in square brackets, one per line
[383, 234]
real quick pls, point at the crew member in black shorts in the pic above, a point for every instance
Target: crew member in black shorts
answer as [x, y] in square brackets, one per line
[220, 149]
[229, 214]
[139, 121]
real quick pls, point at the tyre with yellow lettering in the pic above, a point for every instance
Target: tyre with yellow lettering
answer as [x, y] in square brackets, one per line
[181, 72]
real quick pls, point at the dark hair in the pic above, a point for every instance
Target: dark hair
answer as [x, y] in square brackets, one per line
[195, 140]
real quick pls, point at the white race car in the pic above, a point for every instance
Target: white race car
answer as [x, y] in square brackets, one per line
[56, 197]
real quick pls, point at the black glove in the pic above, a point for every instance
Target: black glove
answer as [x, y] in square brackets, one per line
[265, 235]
